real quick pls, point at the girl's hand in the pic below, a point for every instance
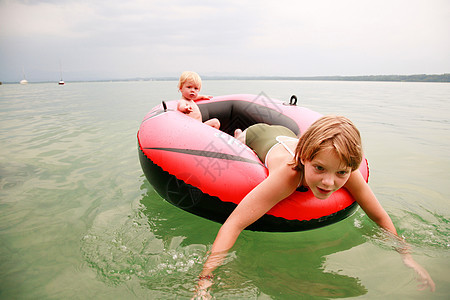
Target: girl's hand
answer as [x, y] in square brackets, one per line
[201, 292]
[424, 278]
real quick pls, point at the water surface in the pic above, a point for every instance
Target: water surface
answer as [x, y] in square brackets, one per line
[78, 219]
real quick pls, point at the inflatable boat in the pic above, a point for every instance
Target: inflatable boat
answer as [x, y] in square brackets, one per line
[207, 172]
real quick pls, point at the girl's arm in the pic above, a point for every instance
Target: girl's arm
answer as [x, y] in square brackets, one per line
[278, 185]
[363, 194]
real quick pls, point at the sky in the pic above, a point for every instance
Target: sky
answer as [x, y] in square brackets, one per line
[117, 39]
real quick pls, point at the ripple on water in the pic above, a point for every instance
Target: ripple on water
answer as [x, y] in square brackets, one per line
[424, 228]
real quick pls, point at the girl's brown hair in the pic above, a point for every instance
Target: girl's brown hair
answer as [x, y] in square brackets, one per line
[330, 132]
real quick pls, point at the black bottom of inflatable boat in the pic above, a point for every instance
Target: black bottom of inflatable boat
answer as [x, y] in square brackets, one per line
[193, 200]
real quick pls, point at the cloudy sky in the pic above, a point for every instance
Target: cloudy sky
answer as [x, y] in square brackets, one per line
[114, 39]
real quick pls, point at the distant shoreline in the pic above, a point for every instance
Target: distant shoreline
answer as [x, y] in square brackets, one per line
[380, 78]
[387, 78]
[392, 78]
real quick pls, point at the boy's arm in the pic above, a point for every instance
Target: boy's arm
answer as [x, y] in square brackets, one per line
[184, 106]
[203, 97]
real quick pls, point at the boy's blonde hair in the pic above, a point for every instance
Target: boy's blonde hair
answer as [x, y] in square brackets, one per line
[189, 75]
[330, 132]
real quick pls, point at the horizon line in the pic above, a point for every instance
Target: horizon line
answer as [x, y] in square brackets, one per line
[445, 77]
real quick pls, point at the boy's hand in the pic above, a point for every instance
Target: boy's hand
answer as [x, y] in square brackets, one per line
[184, 107]
[203, 97]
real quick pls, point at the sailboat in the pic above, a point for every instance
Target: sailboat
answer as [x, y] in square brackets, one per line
[61, 81]
[23, 81]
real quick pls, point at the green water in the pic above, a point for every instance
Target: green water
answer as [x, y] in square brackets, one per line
[78, 220]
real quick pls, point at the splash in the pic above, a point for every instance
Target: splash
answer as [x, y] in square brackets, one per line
[132, 251]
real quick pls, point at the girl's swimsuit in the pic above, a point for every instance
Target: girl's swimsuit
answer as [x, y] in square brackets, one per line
[261, 138]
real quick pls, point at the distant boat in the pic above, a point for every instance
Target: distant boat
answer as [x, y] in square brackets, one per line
[61, 81]
[24, 80]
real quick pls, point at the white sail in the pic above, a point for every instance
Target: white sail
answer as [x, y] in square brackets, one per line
[61, 81]
[24, 80]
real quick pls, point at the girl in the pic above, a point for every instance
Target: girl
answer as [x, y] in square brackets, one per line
[325, 158]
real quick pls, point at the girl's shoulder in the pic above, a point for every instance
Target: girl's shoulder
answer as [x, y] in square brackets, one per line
[279, 157]
[282, 168]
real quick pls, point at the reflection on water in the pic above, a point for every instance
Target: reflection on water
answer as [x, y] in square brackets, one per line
[273, 274]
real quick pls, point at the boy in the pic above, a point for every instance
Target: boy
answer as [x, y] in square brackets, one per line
[189, 85]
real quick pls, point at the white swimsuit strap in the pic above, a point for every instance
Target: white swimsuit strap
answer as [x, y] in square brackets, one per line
[279, 140]
[282, 143]
[288, 138]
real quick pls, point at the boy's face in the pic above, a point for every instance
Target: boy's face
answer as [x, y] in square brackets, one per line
[190, 90]
[325, 174]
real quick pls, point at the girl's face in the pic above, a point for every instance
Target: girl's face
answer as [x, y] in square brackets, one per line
[190, 90]
[325, 174]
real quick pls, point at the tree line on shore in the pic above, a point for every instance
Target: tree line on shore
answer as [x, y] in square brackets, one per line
[397, 78]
